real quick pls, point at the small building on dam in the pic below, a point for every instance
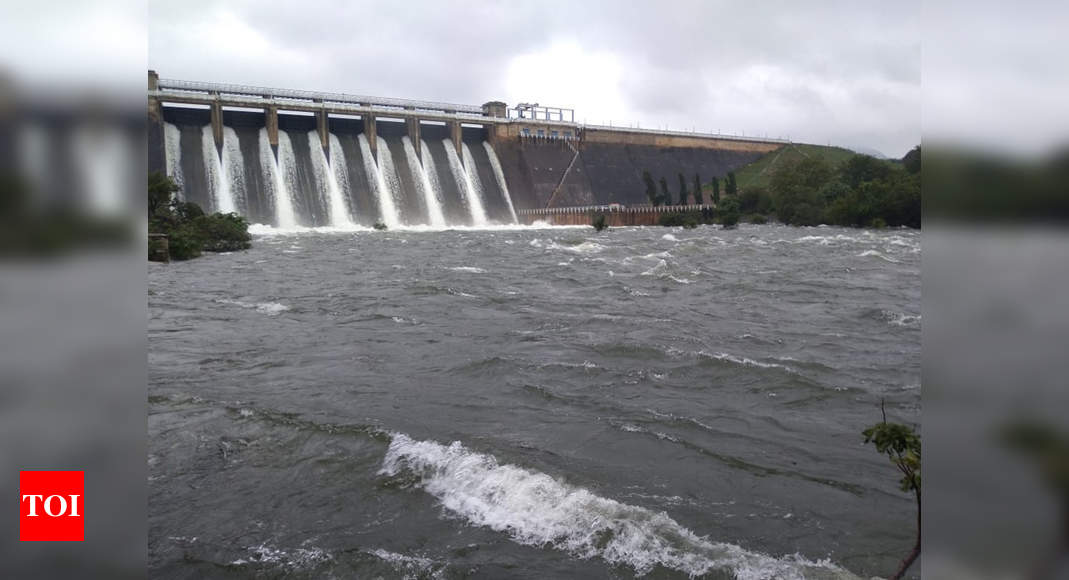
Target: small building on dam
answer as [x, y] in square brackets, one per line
[289, 157]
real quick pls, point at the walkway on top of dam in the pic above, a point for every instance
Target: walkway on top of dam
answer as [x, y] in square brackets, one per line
[174, 91]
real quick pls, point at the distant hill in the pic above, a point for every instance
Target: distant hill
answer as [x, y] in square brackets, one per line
[759, 172]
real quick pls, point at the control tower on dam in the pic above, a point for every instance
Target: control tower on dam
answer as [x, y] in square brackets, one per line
[299, 157]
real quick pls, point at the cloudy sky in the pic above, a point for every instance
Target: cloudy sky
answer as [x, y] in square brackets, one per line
[845, 73]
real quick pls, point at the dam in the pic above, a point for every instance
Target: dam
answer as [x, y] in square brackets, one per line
[296, 158]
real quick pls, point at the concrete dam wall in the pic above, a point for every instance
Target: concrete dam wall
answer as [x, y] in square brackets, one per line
[338, 160]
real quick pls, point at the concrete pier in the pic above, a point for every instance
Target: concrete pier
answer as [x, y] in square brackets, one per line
[371, 132]
[456, 134]
[217, 124]
[412, 124]
[323, 128]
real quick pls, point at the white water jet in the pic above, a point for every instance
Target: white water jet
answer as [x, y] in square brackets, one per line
[226, 174]
[327, 182]
[285, 218]
[466, 183]
[341, 174]
[378, 182]
[431, 195]
[172, 139]
[500, 176]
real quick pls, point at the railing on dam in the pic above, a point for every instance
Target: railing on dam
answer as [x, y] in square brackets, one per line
[671, 133]
[314, 96]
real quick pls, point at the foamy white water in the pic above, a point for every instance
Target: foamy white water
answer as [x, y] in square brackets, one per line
[465, 183]
[285, 217]
[327, 182]
[378, 181]
[431, 196]
[219, 169]
[172, 144]
[536, 509]
[499, 175]
[340, 166]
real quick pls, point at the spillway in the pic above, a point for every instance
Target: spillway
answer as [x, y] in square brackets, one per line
[297, 183]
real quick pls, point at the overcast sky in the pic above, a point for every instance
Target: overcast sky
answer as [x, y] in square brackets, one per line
[845, 73]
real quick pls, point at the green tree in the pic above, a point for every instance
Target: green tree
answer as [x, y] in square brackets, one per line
[732, 187]
[912, 160]
[902, 445]
[651, 187]
[716, 191]
[697, 189]
[861, 168]
[755, 199]
[161, 190]
[796, 194]
[682, 190]
[666, 198]
[599, 222]
[728, 212]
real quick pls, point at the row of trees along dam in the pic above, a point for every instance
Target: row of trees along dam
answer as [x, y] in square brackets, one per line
[802, 185]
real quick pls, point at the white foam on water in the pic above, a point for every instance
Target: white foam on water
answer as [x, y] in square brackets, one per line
[583, 248]
[298, 559]
[268, 308]
[876, 254]
[670, 238]
[469, 269]
[536, 509]
[499, 175]
[724, 356]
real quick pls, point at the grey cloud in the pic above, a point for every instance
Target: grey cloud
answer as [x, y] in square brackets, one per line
[679, 57]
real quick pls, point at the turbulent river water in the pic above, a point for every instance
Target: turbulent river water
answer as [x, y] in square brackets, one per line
[533, 403]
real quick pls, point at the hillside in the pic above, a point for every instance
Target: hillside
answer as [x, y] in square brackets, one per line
[759, 172]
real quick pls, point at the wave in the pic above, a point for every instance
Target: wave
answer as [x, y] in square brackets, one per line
[469, 269]
[867, 253]
[741, 360]
[536, 509]
[268, 308]
[670, 238]
[899, 318]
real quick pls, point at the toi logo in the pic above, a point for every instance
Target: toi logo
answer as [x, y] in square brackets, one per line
[50, 506]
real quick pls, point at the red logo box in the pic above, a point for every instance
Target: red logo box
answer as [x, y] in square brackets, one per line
[51, 505]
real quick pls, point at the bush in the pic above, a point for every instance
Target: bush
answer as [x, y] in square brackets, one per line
[599, 222]
[189, 230]
[380, 226]
[729, 212]
[755, 200]
[223, 232]
[757, 218]
[184, 245]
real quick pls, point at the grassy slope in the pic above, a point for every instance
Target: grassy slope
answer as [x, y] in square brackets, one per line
[759, 172]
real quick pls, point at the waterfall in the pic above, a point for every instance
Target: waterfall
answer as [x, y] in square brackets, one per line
[277, 176]
[226, 174]
[500, 176]
[341, 175]
[431, 195]
[172, 139]
[466, 181]
[327, 182]
[379, 183]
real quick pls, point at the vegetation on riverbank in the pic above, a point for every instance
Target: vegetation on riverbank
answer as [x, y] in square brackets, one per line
[808, 185]
[189, 230]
